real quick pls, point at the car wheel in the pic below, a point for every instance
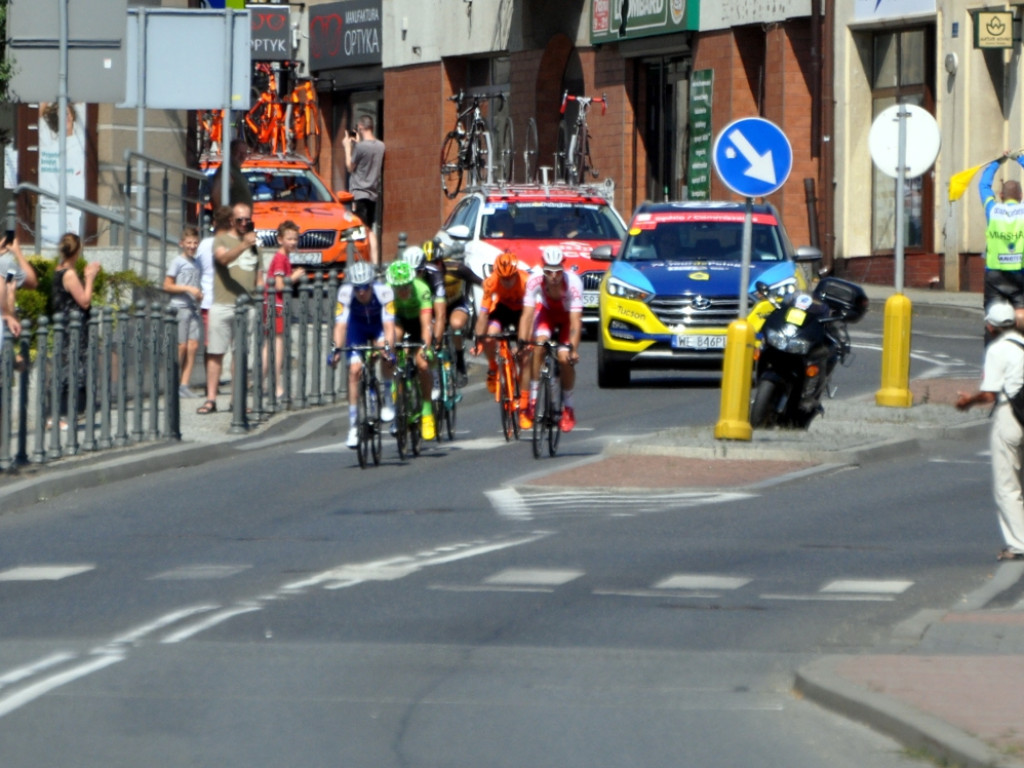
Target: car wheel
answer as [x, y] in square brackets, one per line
[611, 374]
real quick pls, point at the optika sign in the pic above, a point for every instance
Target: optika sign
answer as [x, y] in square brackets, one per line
[344, 34]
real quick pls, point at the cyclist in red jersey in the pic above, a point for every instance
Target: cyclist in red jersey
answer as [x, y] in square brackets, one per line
[500, 309]
[553, 308]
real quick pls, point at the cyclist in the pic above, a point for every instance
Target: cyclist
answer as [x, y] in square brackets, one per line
[414, 316]
[553, 307]
[457, 275]
[431, 273]
[500, 309]
[364, 315]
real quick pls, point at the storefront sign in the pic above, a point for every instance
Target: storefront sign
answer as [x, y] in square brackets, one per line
[876, 10]
[344, 34]
[993, 29]
[270, 36]
[698, 166]
[643, 18]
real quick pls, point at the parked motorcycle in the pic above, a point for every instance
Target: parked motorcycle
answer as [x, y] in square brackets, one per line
[802, 337]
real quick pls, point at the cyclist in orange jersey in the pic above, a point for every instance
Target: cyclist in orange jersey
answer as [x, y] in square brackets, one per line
[500, 309]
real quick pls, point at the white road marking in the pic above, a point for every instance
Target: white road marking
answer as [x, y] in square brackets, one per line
[534, 502]
[197, 572]
[508, 503]
[208, 622]
[698, 581]
[868, 586]
[32, 692]
[25, 672]
[43, 572]
[533, 577]
[134, 635]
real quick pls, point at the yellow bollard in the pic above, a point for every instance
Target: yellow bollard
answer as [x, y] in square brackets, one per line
[895, 391]
[734, 412]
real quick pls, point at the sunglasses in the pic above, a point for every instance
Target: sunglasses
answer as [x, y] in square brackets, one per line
[552, 272]
[363, 287]
[243, 220]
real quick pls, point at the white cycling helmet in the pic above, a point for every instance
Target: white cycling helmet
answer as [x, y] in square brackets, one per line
[413, 256]
[553, 256]
[360, 273]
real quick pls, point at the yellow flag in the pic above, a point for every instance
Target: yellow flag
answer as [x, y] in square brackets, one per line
[959, 182]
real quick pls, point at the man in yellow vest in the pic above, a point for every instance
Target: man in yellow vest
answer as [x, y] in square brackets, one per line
[1004, 240]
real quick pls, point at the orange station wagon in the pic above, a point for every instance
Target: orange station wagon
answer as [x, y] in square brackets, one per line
[286, 187]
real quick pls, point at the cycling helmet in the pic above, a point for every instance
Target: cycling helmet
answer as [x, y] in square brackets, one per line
[429, 250]
[413, 256]
[553, 256]
[399, 273]
[506, 265]
[360, 273]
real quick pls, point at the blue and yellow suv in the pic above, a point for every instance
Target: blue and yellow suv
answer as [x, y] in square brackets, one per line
[673, 288]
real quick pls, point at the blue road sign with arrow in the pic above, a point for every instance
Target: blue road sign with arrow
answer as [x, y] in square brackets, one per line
[753, 157]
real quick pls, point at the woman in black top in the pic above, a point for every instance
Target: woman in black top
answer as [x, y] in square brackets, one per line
[70, 293]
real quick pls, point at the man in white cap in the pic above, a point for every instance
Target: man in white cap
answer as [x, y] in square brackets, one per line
[1003, 377]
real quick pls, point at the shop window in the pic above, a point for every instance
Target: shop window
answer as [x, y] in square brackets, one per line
[902, 74]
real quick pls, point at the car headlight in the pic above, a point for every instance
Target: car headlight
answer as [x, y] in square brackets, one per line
[624, 290]
[784, 341]
[354, 233]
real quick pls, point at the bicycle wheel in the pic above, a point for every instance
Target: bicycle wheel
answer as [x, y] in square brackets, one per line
[581, 158]
[451, 165]
[530, 152]
[541, 417]
[311, 129]
[507, 407]
[563, 159]
[415, 415]
[401, 422]
[362, 425]
[516, 398]
[480, 155]
[506, 151]
[373, 419]
[555, 398]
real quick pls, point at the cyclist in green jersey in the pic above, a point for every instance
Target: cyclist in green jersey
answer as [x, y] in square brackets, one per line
[414, 315]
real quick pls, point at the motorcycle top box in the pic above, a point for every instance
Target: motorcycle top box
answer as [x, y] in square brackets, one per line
[846, 299]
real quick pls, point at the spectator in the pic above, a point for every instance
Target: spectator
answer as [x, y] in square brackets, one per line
[8, 316]
[184, 282]
[238, 187]
[12, 259]
[273, 283]
[1004, 240]
[70, 293]
[1002, 377]
[235, 264]
[364, 159]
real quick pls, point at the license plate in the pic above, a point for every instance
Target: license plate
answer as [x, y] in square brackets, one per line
[699, 341]
[307, 257]
[591, 298]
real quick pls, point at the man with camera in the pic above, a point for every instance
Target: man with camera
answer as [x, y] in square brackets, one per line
[236, 261]
[364, 159]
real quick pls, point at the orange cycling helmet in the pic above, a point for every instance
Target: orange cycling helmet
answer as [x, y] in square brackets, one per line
[506, 265]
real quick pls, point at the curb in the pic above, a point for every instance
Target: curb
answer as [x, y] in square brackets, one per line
[819, 682]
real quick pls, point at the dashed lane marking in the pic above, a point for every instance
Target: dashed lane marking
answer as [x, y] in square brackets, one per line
[529, 504]
[43, 572]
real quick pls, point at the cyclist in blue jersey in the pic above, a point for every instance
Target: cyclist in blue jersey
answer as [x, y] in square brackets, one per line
[364, 315]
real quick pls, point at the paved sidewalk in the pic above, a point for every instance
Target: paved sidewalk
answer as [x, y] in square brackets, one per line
[950, 682]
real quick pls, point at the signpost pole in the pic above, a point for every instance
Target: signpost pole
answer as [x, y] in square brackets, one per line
[225, 149]
[901, 171]
[62, 120]
[748, 239]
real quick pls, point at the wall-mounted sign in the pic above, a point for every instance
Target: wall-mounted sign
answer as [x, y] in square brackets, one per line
[344, 34]
[642, 19]
[876, 10]
[993, 29]
[270, 33]
[698, 167]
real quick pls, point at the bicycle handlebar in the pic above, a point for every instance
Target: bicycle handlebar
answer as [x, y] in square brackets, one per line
[586, 101]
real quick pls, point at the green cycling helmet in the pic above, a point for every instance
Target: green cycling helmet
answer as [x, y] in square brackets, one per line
[399, 273]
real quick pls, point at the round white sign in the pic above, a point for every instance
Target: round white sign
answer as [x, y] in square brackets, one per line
[922, 141]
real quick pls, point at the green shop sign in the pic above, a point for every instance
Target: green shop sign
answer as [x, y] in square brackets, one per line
[643, 18]
[698, 166]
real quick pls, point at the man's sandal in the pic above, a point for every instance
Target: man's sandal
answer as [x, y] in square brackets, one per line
[210, 406]
[1009, 554]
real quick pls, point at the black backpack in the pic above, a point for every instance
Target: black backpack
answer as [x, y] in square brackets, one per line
[1016, 400]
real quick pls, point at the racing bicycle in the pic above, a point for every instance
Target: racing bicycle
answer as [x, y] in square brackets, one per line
[448, 396]
[507, 391]
[548, 410]
[573, 155]
[368, 406]
[466, 148]
[408, 400]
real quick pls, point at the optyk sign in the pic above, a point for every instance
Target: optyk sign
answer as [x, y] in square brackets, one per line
[344, 34]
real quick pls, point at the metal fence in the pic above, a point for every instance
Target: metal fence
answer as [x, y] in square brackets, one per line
[112, 377]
